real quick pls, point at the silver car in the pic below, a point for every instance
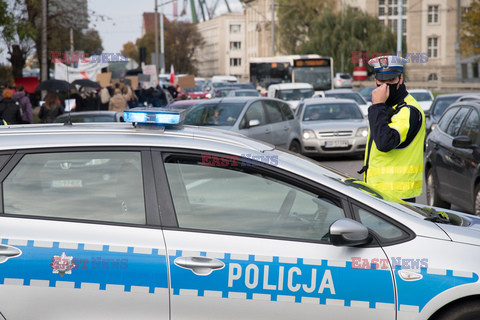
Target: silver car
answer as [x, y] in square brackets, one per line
[266, 119]
[332, 127]
[146, 220]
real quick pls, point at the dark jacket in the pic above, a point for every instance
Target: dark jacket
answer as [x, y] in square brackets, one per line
[26, 105]
[47, 115]
[10, 111]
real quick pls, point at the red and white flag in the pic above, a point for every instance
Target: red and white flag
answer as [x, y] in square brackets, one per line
[172, 74]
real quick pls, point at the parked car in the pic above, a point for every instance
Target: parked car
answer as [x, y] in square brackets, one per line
[346, 94]
[424, 97]
[332, 127]
[243, 85]
[343, 80]
[292, 93]
[367, 93]
[220, 92]
[265, 119]
[439, 105]
[244, 93]
[452, 168]
[469, 97]
[182, 104]
[90, 116]
[149, 221]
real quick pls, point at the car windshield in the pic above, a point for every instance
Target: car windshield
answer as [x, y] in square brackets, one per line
[441, 104]
[421, 96]
[295, 94]
[346, 95]
[214, 114]
[332, 111]
[246, 93]
[197, 88]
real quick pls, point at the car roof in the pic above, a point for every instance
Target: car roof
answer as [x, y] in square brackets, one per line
[123, 134]
[419, 90]
[341, 91]
[328, 100]
[450, 95]
[296, 85]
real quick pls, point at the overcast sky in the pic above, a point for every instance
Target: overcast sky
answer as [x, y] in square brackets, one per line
[123, 18]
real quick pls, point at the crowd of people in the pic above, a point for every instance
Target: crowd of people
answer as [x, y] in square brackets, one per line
[17, 106]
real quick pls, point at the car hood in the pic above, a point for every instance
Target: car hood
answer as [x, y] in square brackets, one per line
[425, 105]
[336, 125]
[468, 233]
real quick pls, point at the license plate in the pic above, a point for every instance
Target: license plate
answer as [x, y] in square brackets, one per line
[336, 144]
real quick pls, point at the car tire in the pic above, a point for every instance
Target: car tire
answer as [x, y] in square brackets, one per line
[295, 147]
[466, 311]
[476, 201]
[433, 199]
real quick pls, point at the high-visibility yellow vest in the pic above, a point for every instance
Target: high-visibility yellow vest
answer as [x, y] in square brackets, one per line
[398, 172]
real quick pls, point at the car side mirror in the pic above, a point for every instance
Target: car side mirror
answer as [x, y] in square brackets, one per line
[253, 123]
[464, 142]
[427, 113]
[349, 233]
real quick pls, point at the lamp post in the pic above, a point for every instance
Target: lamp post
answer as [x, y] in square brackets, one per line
[162, 47]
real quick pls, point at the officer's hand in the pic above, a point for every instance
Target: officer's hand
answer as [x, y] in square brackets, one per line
[380, 95]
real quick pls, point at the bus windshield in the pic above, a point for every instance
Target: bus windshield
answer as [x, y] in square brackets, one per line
[318, 77]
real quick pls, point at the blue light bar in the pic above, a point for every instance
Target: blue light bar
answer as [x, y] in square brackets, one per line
[158, 116]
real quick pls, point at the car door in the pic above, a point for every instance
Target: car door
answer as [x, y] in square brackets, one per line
[80, 236]
[452, 168]
[254, 123]
[248, 243]
[464, 167]
[281, 128]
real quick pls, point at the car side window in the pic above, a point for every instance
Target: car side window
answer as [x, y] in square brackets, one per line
[103, 186]
[471, 125]
[456, 122]
[234, 195]
[256, 112]
[273, 112]
[445, 120]
[387, 231]
[286, 110]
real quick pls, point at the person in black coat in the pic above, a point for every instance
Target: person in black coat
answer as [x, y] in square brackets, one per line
[10, 110]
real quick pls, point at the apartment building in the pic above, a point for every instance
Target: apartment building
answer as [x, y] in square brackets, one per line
[430, 28]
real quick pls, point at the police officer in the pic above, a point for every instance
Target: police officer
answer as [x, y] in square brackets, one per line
[394, 152]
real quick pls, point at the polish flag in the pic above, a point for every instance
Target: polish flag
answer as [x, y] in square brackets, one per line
[172, 74]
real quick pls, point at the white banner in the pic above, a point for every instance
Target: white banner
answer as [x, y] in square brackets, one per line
[85, 70]
[152, 71]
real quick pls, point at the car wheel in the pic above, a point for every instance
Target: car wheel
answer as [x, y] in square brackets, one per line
[476, 201]
[433, 199]
[465, 311]
[295, 147]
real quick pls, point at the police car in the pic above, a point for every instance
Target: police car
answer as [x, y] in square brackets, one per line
[153, 220]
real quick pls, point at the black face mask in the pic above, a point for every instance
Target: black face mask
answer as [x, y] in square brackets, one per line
[392, 89]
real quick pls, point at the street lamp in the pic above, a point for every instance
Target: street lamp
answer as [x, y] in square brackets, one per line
[162, 52]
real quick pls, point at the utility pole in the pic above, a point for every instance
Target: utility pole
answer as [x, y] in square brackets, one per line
[44, 69]
[273, 27]
[399, 28]
[156, 36]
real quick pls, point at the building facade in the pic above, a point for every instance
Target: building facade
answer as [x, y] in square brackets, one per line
[429, 27]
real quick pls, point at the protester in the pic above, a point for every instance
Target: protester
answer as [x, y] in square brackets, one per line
[51, 108]
[394, 152]
[10, 110]
[117, 102]
[104, 98]
[25, 104]
[130, 96]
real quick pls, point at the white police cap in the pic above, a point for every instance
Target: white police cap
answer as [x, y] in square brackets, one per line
[387, 67]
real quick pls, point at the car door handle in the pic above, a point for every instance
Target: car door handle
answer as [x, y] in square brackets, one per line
[7, 252]
[201, 266]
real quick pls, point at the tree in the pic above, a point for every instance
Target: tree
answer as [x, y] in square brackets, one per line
[131, 51]
[17, 33]
[295, 18]
[89, 42]
[470, 31]
[180, 39]
[341, 34]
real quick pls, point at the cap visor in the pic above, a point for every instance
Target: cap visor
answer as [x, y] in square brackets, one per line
[387, 75]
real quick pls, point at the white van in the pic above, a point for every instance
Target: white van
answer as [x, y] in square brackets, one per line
[291, 93]
[231, 79]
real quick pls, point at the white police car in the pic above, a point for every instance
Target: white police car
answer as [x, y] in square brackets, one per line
[104, 221]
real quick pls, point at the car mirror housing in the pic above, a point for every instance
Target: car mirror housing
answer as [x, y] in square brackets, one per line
[349, 233]
[463, 142]
[253, 123]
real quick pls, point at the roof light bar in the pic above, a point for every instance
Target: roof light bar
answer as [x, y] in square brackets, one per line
[157, 116]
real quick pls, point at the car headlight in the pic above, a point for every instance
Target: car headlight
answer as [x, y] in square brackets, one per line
[308, 134]
[362, 132]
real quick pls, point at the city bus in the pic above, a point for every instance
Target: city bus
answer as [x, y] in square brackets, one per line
[310, 68]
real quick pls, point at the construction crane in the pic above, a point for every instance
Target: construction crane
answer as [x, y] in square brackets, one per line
[207, 13]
